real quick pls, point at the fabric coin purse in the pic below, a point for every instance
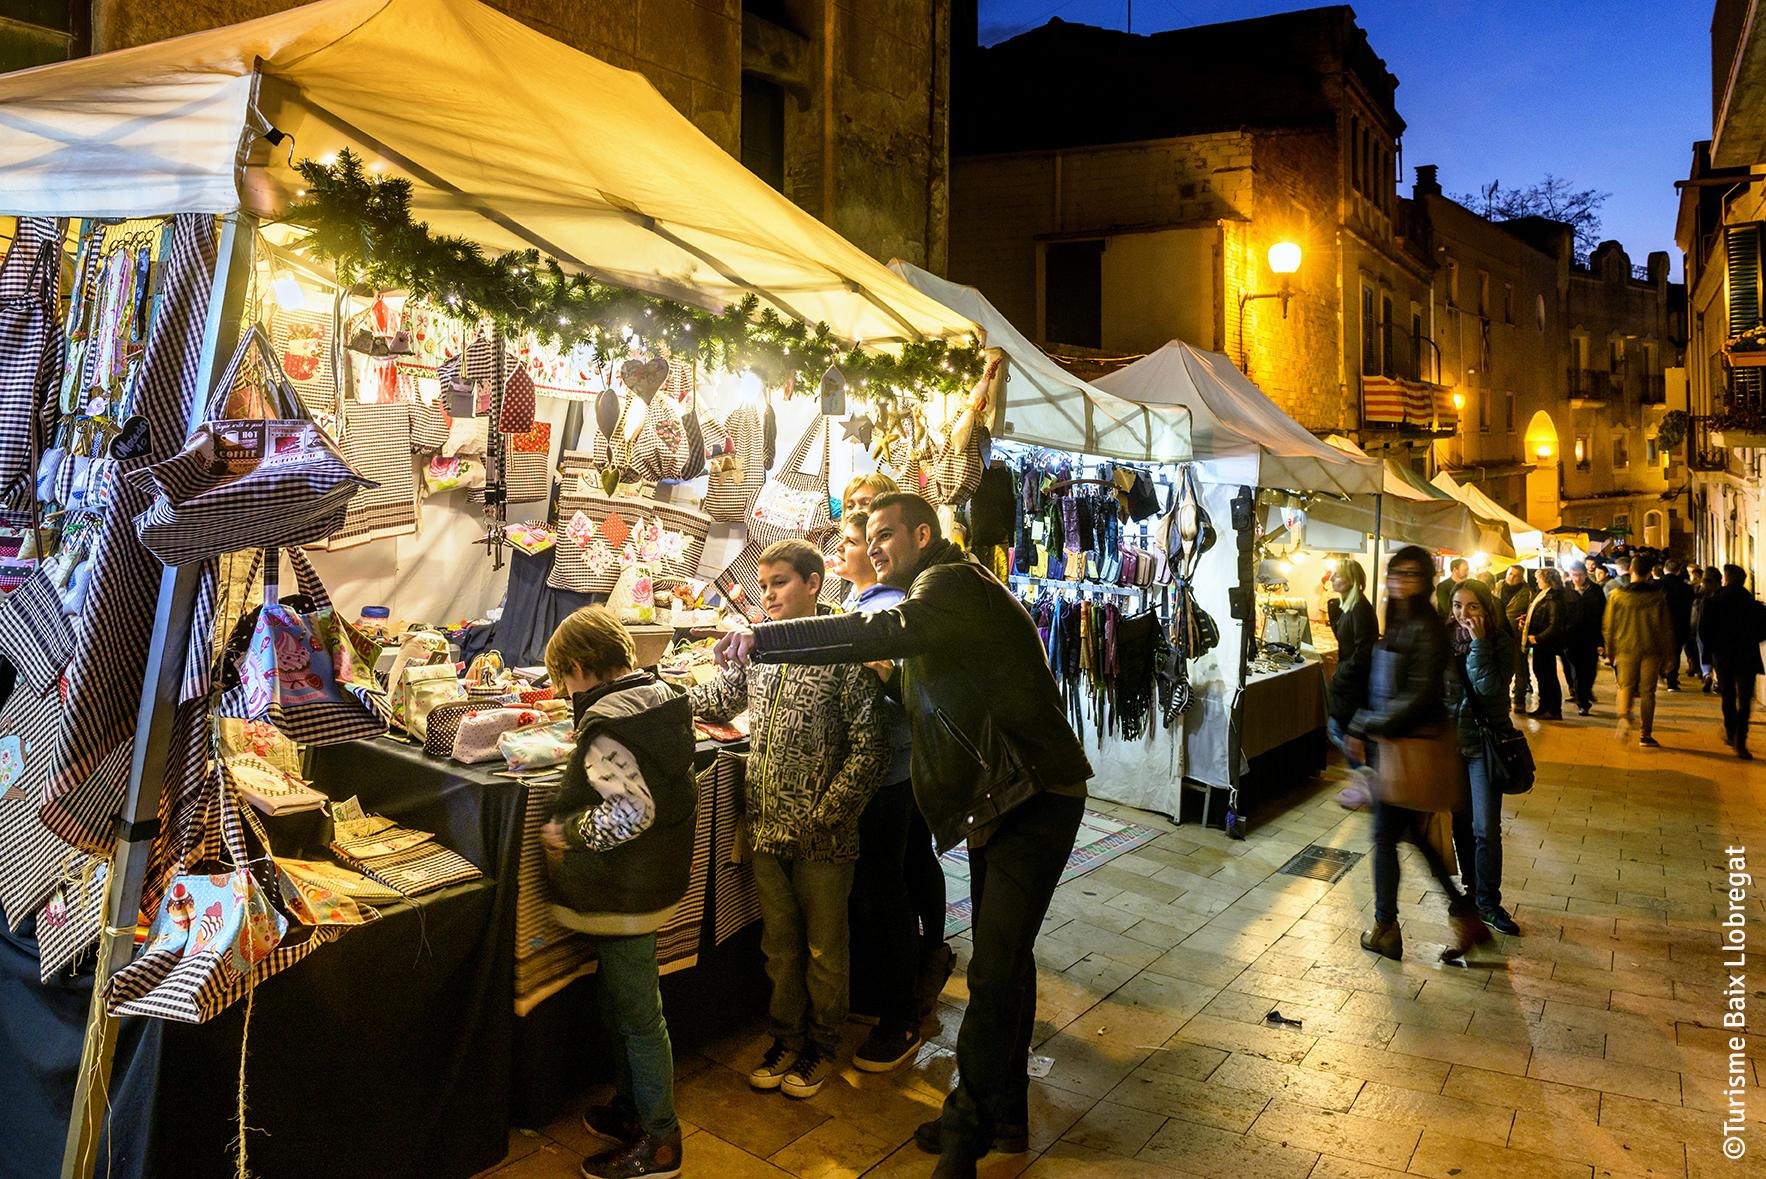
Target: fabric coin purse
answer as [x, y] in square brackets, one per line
[476, 738]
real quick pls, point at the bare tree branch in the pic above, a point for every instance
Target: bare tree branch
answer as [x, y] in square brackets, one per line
[1552, 198]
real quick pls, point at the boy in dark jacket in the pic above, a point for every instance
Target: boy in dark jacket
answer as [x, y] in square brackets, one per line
[620, 851]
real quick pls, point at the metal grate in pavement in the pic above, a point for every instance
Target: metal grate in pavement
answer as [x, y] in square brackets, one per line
[1317, 862]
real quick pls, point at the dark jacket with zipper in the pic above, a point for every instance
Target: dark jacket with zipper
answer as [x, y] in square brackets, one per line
[989, 731]
[1357, 631]
[1405, 694]
[648, 872]
[1549, 620]
[1489, 665]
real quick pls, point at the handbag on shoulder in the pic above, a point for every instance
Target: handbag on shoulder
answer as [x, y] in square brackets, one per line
[1508, 759]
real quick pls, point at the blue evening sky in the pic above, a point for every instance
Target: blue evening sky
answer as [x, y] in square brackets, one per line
[1610, 95]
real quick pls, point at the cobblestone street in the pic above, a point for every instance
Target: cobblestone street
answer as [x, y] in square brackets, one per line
[1591, 1045]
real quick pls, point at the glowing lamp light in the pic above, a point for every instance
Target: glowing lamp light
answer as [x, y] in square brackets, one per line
[1285, 568]
[1284, 258]
[1479, 560]
[1543, 450]
[1459, 401]
[1330, 564]
[1298, 557]
[750, 389]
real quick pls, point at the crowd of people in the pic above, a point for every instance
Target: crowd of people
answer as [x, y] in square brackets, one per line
[921, 715]
[1432, 696]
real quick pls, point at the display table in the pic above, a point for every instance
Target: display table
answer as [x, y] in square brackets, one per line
[1283, 736]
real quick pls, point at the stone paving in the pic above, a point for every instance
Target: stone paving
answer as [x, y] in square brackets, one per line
[1592, 1045]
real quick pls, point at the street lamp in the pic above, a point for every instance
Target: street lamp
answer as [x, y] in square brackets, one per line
[1284, 260]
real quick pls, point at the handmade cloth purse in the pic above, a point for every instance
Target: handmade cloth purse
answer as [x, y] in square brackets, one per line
[487, 677]
[476, 738]
[1508, 759]
[430, 423]
[450, 474]
[421, 678]
[794, 503]
[311, 675]
[516, 416]
[246, 483]
[443, 723]
[598, 535]
[956, 471]
[533, 747]
[737, 453]
[31, 363]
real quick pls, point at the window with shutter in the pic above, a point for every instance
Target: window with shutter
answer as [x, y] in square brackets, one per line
[1741, 246]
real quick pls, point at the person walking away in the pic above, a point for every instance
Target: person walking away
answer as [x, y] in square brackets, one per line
[1516, 596]
[1640, 638]
[1709, 582]
[1731, 629]
[1457, 571]
[1547, 620]
[818, 753]
[1679, 596]
[1583, 643]
[619, 852]
[885, 929]
[1572, 608]
[995, 762]
[1483, 650]
[1357, 630]
[1406, 702]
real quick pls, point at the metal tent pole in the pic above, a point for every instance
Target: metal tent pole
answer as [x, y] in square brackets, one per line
[1374, 581]
[138, 823]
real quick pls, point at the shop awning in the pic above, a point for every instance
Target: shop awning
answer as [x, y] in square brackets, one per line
[1048, 406]
[1528, 541]
[1232, 418]
[511, 139]
[1411, 515]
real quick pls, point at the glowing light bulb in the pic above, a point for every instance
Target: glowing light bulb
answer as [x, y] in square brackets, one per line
[288, 293]
[1285, 568]
[1330, 564]
[1298, 557]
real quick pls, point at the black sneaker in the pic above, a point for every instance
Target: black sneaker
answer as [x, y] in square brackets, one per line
[883, 1049]
[612, 1123]
[1648, 742]
[813, 1068]
[771, 1070]
[1499, 920]
[929, 1137]
[649, 1156]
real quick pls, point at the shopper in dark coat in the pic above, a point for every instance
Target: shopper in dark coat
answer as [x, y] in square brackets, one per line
[1357, 630]
[1515, 596]
[1583, 643]
[1731, 628]
[1679, 596]
[1547, 625]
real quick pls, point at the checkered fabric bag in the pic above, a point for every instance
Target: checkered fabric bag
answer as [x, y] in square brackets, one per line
[35, 634]
[738, 465]
[31, 355]
[247, 483]
[73, 775]
[376, 442]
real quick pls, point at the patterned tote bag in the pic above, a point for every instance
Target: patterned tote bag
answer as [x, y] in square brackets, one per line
[30, 355]
[242, 483]
[598, 535]
[737, 466]
[376, 442]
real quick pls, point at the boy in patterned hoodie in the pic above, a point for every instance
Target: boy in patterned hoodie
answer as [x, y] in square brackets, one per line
[818, 753]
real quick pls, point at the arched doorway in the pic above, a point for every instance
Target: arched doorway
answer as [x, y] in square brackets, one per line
[1655, 532]
[1544, 453]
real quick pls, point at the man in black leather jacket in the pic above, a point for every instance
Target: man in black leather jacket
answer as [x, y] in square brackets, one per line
[994, 761]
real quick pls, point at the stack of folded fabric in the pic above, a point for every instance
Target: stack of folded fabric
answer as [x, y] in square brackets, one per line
[271, 789]
[408, 861]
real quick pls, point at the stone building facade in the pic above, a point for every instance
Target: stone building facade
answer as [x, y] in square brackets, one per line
[1112, 218]
[841, 105]
[1560, 369]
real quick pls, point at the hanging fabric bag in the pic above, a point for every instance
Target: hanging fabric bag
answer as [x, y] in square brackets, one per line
[30, 355]
[246, 483]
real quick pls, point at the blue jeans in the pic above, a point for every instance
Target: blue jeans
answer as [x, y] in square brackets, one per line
[1335, 730]
[807, 943]
[1477, 837]
[631, 1007]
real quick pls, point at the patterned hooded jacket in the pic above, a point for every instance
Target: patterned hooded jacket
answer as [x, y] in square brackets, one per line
[818, 749]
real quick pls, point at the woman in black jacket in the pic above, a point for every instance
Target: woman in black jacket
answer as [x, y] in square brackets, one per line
[1406, 700]
[1357, 630]
[1548, 623]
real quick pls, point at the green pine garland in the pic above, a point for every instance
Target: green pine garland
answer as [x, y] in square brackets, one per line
[362, 226]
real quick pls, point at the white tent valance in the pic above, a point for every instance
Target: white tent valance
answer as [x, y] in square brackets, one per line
[1048, 406]
[1528, 541]
[1411, 515]
[1232, 418]
[511, 139]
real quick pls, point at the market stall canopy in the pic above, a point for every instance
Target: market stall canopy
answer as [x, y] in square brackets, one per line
[1048, 406]
[1412, 515]
[1232, 418]
[510, 139]
[1528, 541]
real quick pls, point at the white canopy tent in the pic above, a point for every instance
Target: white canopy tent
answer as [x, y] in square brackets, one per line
[1408, 514]
[1046, 405]
[1528, 541]
[1231, 418]
[511, 139]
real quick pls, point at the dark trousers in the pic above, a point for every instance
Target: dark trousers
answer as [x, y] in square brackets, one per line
[1547, 693]
[1671, 666]
[1523, 683]
[885, 941]
[1392, 823]
[1011, 878]
[1737, 690]
[925, 882]
[1581, 668]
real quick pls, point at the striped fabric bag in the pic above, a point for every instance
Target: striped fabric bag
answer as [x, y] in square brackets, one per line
[377, 444]
[247, 483]
[600, 534]
[738, 473]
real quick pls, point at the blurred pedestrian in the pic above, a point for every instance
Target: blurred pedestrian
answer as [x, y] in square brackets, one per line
[1357, 630]
[1516, 596]
[1547, 624]
[1709, 582]
[1678, 595]
[1732, 627]
[1406, 720]
[1639, 637]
